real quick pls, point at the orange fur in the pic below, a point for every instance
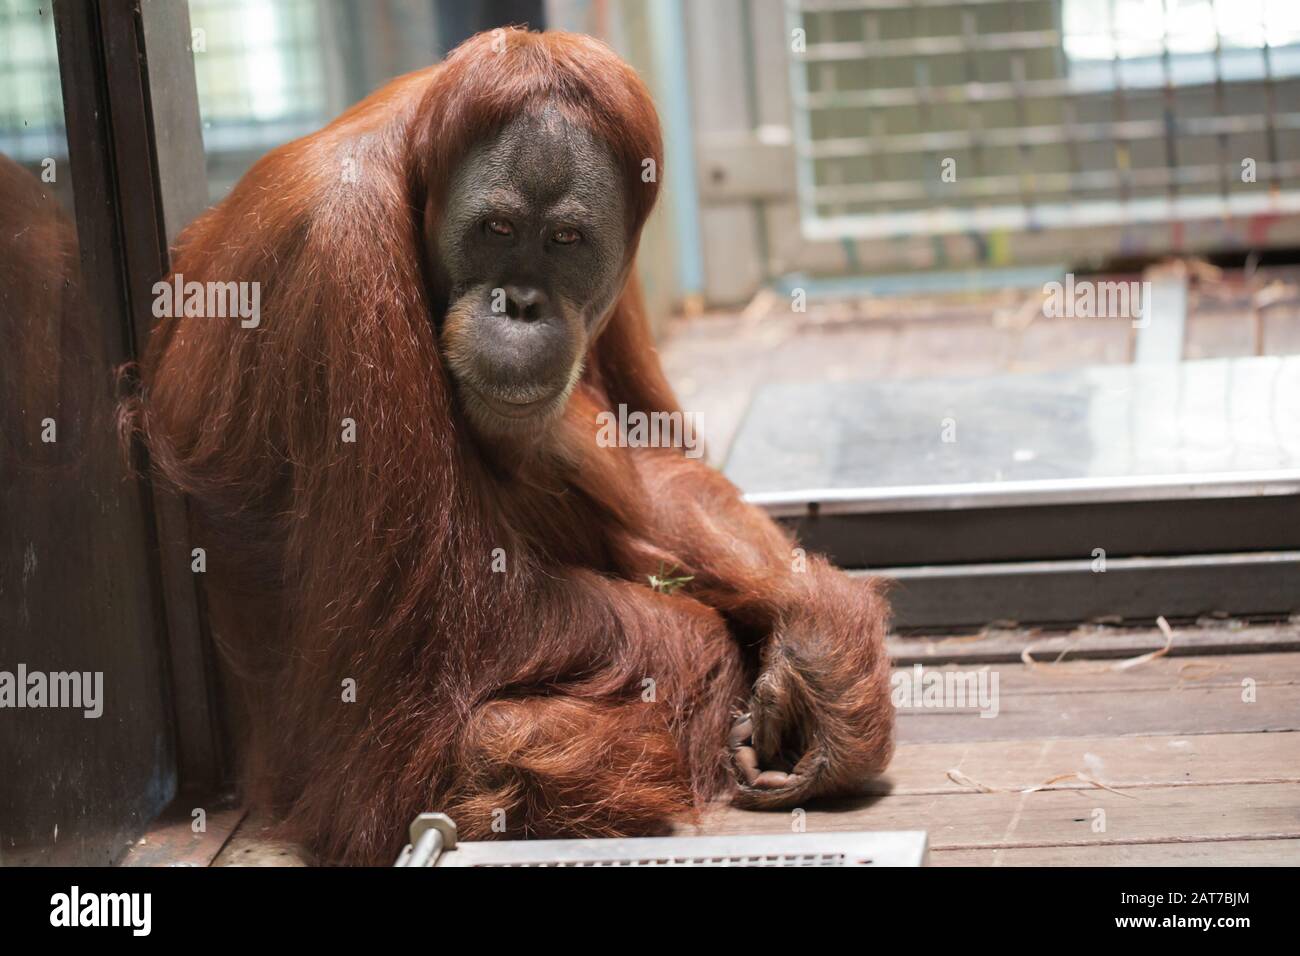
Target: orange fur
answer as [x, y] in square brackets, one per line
[563, 692]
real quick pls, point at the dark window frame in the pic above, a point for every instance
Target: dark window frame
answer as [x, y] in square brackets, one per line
[136, 151]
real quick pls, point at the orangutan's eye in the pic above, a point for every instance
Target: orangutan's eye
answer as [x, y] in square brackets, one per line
[565, 237]
[500, 227]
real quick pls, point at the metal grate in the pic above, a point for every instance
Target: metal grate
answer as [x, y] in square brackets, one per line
[1051, 113]
[434, 843]
[259, 66]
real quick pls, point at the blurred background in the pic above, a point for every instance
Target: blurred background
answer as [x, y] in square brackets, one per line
[807, 143]
[866, 204]
[806, 136]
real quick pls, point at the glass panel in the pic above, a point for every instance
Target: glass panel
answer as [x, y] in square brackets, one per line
[85, 744]
[1088, 430]
[270, 72]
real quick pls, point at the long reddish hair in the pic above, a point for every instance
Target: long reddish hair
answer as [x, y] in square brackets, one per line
[369, 566]
[366, 561]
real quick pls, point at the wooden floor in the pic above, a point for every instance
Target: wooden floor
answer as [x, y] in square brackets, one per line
[1192, 757]
[1188, 758]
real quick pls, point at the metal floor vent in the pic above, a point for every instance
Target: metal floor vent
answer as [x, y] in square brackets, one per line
[433, 843]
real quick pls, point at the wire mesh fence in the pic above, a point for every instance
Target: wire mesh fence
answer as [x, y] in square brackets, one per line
[925, 116]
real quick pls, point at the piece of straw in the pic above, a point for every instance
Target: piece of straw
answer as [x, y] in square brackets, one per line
[962, 780]
[1027, 658]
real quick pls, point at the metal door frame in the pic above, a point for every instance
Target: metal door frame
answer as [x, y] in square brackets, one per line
[135, 144]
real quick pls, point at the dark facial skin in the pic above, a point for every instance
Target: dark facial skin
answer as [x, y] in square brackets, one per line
[532, 247]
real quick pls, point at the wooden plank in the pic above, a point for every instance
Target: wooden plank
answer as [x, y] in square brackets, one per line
[1281, 329]
[249, 847]
[172, 840]
[1092, 676]
[1212, 853]
[1095, 642]
[1090, 699]
[1065, 592]
[1190, 710]
[1118, 762]
[1050, 817]
[1161, 330]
